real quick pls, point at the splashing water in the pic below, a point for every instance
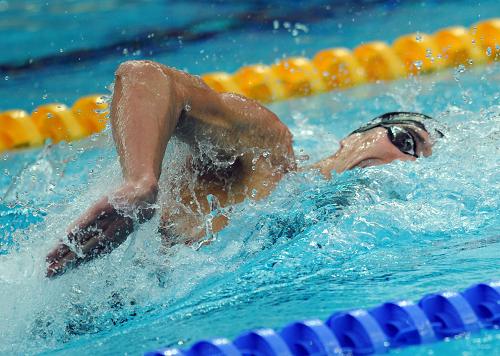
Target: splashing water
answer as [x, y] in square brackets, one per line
[313, 246]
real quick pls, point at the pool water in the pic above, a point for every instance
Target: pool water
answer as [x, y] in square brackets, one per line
[312, 247]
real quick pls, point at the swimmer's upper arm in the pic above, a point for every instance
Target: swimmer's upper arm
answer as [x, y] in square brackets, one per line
[230, 111]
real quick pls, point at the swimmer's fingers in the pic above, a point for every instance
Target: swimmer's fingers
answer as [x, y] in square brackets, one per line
[109, 239]
[59, 265]
[57, 253]
[80, 235]
[63, 258]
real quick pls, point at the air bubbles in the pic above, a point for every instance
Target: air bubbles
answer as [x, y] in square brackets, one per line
[187, 108]
[467, 97]
[460, 69]
[295, 30]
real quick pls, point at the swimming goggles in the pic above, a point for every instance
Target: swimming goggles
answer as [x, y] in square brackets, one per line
[401, 137]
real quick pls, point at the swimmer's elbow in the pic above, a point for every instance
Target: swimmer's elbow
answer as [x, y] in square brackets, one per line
[156, 78]
[149, 73]
[139, 69]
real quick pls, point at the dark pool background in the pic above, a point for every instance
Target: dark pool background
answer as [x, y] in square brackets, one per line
[311, 248]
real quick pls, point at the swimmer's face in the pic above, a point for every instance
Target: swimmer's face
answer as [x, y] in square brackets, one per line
[381, 145]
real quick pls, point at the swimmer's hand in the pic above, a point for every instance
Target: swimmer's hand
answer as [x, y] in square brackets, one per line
[104, 226]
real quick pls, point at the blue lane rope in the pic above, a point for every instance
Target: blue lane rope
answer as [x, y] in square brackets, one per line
[364, 332]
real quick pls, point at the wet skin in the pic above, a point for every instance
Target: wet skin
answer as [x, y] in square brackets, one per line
[153, 103]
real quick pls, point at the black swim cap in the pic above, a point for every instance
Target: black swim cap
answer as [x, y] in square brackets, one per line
[402, 117]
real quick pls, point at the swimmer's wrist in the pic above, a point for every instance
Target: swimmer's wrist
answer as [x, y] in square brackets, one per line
[146, 183]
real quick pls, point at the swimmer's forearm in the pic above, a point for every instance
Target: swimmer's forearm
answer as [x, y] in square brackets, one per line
[144, 114]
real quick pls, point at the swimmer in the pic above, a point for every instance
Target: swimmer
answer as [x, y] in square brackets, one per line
[250, 150]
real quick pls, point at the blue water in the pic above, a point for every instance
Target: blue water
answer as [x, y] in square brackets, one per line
[312, 247]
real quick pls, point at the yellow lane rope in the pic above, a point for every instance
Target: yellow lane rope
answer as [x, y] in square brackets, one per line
[329, 69]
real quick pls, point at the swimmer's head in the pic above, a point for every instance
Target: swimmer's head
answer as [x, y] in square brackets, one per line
[403, 136]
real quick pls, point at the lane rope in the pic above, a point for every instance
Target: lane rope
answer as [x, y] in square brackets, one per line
[366, 331]
[329, 69]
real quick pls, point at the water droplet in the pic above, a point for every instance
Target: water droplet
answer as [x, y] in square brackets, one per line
[276, 24]
[489, 51]
[301, 27]
[466, 97]
[418, 37]
[6, 77]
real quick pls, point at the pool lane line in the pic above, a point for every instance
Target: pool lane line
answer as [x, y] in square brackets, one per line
[330, 69]
[391, 325]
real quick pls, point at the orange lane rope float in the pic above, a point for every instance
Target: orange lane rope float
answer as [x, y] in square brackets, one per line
[330, 69]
